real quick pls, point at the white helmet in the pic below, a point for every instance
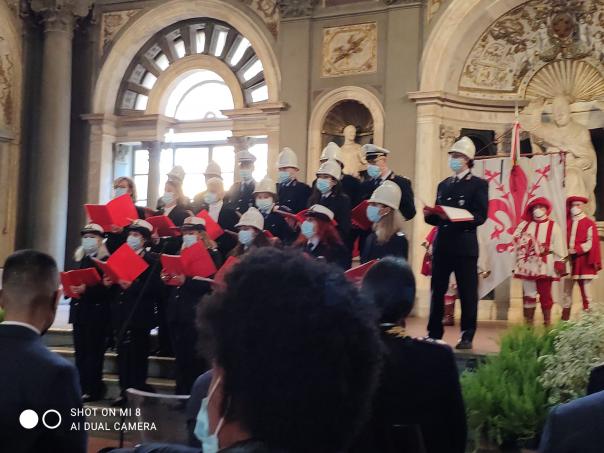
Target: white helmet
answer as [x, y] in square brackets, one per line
[332, 151]
[177, 174]
[288, 158]
[266, 185]
[213, 169]
[252, 218]
[464, 146]
[94, 229]
[245, 156]
[389, 194]
[331, 168]
[318, 210]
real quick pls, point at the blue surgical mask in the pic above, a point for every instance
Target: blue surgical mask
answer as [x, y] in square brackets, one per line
[323, 185]
[246, 237]
[373, 213]
[373, 171]
[209, 442]
[188, 240]
[210, 197]
[168, 198]
[90, 245]
[308, 229]
[456, 164]
[119, 191]
[283, 177]
[246, 175]
[135, 243]
[264, 204]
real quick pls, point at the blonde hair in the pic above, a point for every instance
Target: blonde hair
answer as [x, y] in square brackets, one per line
[207, 242]
[180, 196]
[216, 185]
[130, 183]
[389, 225]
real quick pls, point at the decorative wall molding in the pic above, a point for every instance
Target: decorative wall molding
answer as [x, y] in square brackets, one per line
[111, 24]
[7, 67]
[268, 11]
[296, 8]
[60, 15]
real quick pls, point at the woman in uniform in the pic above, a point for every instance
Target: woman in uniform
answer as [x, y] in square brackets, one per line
[265, 198]
[250, 233]
[116, 237]
[388, 238]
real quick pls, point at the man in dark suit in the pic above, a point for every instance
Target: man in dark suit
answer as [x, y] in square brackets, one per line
[241, 194]
[456, 243]
[575, 427]
[40, 389]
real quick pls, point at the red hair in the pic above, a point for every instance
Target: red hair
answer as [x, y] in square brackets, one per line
[326, 232]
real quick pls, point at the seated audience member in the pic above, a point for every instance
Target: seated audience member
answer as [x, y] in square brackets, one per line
[320, 239]
[199, 391]
[34, 378]
[419, 383]
[250, 233]
[294, 365]
[575, 427]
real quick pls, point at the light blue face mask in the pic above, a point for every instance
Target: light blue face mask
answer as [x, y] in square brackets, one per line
[119, 191]
[90, 245]
[246, 175]
[168, 198]
[188, 240]
[135, 243]
[373, 214]
[283, 177]
[323, 185]
[373, 171]
[264, 204]
[308, 229]
[210, 197]
[208, 441]
[246, 237]
[456, 164]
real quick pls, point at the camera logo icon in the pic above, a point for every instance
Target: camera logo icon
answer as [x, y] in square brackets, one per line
[51, 419]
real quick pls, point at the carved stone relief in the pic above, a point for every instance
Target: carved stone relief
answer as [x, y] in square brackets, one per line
[296, 8]
[432, 8]
[111, 24]
[447, 136]
[6, 84]
[268, 11]
[350, 49]
[531, 36]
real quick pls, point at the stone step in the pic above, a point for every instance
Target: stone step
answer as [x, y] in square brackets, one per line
[159, 367]
[159, 385]
[58, 336]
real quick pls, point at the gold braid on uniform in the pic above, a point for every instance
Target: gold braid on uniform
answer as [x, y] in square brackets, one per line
[397, 331]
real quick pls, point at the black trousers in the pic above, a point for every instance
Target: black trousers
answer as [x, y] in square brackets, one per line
[163, 328]
[189, 364]
[133, 359]
[90, 342]
[466, 273]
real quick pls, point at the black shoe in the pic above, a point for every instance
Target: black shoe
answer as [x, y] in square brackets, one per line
[464, 344]
[118, 402]
[86, 398]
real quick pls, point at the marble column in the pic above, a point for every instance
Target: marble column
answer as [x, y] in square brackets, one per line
[51, 183]
[154, 149]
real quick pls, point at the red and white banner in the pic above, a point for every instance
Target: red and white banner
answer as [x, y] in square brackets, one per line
[512, 184]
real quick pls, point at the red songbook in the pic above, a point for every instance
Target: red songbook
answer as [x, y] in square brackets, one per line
[224, 270]
[78, 277]
[197, 261]
[356, 274]
[212, 228]
[119, 212]
[359, 216]
[149, 212]
[124, 264]
[163, 225]
[452, 214]
[268, 234]
[172, 265]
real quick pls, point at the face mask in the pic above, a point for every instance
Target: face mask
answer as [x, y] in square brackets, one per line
[246, 237]
[264, 204]
[373, 214]
[538, 213]
[208, 441]
[283, 177]
[323, 185]
[373, 171]
[576, 210]
[90, 245]
[188, 240]
[135, 243]
[210, 197]
[119, 191]
[168, 198]
[246, 175]
[456, 164]
[308, 229]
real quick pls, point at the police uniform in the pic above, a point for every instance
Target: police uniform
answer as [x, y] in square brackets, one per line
[294, 195]
[115, 240]
[337, 254]
[241, 196]
[275, 223]
[406, 206]
[397, 245]
[456, 247]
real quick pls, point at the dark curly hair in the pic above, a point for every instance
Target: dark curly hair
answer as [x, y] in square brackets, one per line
[299, 348]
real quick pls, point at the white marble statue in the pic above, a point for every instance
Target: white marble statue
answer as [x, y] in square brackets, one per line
[567, 135]
[352, 156]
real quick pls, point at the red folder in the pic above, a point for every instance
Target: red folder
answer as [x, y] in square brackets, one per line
[356, 274]
[124, 265]
[197, 261]
[452, 214]
[120, 211]
[149, 212]
[359, 216]
[88, 277]
[163, 225]
[224, 270]
[212, 228]
[172, 265]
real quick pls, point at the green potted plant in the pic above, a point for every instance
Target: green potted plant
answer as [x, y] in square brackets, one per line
[506, 403]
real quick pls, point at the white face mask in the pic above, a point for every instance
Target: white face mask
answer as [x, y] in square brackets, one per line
[119, 191]
[188, 240]
[168, 198]
[539, 213]
[576, 210]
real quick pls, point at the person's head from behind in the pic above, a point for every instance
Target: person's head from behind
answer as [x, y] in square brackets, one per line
[30, 289]
[390, 285]
[295, 355]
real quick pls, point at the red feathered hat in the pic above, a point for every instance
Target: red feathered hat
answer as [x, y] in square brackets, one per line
[528, 211]
[574, 198]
